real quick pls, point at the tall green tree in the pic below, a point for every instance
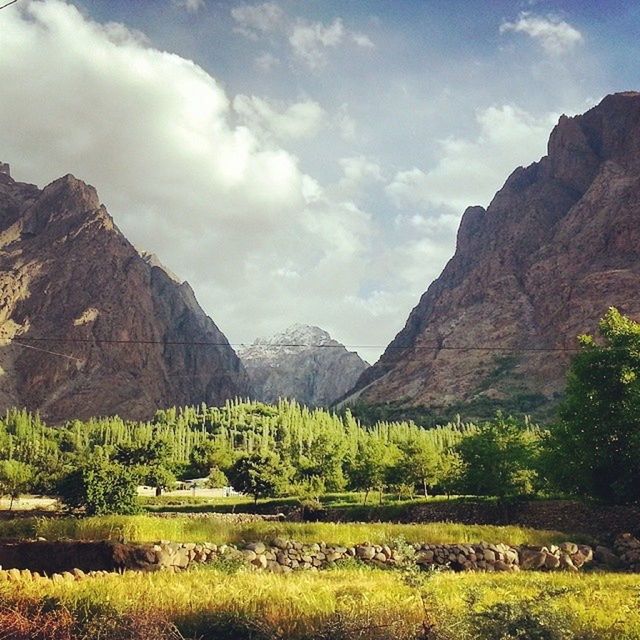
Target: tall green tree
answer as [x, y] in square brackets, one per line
[369, 467]
[595, 446]
[419, 464]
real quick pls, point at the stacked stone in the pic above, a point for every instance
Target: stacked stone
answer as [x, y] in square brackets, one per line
[567, 557]
[25, 575]
[469, 557]
[627, 547]
[285, 556]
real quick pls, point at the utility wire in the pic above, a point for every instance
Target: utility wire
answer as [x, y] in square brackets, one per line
[52, 353]
[8, 4]
[205, 343]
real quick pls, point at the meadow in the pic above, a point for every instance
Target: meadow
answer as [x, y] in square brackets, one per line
[344, 604]
[144, 528]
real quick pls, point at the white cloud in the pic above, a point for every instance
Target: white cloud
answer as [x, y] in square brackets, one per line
[362, 40]
[554, 34]
[193, 6]
[358, 171]
[254, 20]
[469, 171]
[258, 239]
[308, 41]
[296, 121]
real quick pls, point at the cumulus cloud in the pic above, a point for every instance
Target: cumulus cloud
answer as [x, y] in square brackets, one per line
[469, 171]
[259, 240]
[554, 34]
[296, 121]
[193, 6]
[308, 41]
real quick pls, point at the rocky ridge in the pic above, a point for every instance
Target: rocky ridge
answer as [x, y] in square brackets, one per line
[558, 245]
[89, 326]
[304, 363]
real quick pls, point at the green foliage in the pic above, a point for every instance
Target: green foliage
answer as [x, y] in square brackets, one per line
[522, 620]
[261, 475]
[16, 478]
[499, 459]
[595, 447]
[100, 488]
[217, 479]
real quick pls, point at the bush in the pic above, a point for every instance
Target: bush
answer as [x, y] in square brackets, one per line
[100, 488]
[521, 621]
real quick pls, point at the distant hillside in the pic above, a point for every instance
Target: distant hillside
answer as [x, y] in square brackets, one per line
[316, 374]
[558, 245]
[88, 326]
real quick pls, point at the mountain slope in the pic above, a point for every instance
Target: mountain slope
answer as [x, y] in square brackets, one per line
[67, 272]
[315, 375]
[558, 245]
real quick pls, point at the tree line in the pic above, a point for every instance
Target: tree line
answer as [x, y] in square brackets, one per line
[592, 449]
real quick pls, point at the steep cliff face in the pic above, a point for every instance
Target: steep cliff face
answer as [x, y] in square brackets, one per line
[88, 326]
[315, 374]
[558, 245]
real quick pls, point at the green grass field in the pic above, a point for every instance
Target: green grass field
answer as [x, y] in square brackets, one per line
[345, 604]
[146, 528]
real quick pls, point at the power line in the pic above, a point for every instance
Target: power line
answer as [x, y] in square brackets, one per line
[8, 4]
[52, 353]
[207, 343]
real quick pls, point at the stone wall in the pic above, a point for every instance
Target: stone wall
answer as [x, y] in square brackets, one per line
[284, 556]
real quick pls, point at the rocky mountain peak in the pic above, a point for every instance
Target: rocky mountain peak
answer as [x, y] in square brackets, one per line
[302, 362]
[558, 245]
[133, 335]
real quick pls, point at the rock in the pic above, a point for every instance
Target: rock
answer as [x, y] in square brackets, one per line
[532, 558]
[569, 547]
[566, 563]
[551, 562]
[489, 555]
[365, 552]
[257, 547]
[556, 247]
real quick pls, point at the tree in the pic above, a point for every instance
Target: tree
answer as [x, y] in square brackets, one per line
[15, 479]
[499, 459]
[261, 475]
[217, 479]
[100, 488]
[419, 464]
[150, 462]
[595, 446]
[209, 454]
[369, 467]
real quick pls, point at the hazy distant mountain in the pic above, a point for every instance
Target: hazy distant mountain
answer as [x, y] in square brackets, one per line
[316, 374]
[558, 245]
[67, 272]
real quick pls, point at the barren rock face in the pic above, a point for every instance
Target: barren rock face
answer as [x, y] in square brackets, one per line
[316, 374]
[67, 272]
[558, 245]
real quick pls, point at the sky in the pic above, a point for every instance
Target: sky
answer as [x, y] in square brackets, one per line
[300, 161]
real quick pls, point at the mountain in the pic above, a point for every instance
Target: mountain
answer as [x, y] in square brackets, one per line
[88, 326]
[315, 374]
[558, 245]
